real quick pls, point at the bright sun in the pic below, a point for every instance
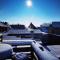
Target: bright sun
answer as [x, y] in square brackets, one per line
[29, 3]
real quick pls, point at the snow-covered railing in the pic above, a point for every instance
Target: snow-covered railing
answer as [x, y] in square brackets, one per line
[41, 53]
[18, 42]
[37, 50]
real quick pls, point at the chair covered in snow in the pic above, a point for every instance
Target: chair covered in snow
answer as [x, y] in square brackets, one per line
[5, 51]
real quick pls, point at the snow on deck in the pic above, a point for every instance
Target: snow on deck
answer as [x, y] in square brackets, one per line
[55, 49]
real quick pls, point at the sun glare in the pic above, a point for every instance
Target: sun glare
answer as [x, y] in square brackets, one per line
[29, 3]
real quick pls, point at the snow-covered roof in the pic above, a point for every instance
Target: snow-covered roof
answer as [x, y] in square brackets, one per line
[23, 31]
[18, 26]
[56, 24]
[45, 25]
[37, 31]
[18, 31]
[3, 25]
[32, 26]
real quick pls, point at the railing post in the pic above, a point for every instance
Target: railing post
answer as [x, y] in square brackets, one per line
[1, 38]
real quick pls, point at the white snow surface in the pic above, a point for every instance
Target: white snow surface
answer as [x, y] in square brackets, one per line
[4, 47]
[55, 49]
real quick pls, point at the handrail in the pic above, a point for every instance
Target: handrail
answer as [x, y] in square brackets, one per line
[39, 50]
[18, 42]
[42, 53]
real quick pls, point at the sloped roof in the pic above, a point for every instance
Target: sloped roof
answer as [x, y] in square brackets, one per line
[37, 31]
[3, 25]
[18, 31]
[45, 25]
[32, 26]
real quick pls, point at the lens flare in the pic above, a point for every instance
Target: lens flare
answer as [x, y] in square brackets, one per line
[29, 3]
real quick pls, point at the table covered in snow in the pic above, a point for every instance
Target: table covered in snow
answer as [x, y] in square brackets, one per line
[5, 51]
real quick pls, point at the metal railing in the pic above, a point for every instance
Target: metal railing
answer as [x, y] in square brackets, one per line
[38, 52]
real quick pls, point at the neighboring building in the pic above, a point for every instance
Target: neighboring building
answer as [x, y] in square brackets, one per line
[35, 31]
[17, 26]
[44, 27]
[4, 27]
[31, 26]
[55, 28]
[20, 31]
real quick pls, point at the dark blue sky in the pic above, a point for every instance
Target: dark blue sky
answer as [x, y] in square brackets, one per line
[16, 11]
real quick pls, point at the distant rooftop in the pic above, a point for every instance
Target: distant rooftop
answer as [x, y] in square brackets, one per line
[4, 24]
[45, 25]
[56, 24]
[32, 26]
[18, 26]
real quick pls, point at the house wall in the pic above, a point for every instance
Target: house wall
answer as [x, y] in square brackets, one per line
[2, 29]
[54, 30]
